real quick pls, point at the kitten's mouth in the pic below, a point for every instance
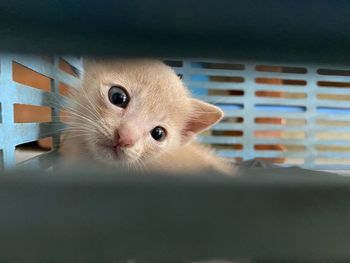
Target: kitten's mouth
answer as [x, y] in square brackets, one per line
[116, 153]
[115, 150]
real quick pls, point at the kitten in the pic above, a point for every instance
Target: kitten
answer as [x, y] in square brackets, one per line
[138, 113]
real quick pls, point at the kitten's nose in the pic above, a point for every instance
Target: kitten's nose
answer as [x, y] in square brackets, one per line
[123, 138]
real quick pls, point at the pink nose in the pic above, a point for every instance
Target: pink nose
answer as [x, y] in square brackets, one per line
[123, 138]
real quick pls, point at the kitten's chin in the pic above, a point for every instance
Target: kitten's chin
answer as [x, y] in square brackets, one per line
[116, 157]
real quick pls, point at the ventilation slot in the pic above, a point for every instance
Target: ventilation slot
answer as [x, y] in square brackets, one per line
[220, 92]
[333, 72]
[334, 84]
[68, 68]
[279, 134]
[219, 147]
[295, 70]
[217, 78]
[278, 81]
[337, 97]
[280, 121]
[216, 65]
[29, 113]
[26, 76]
[280, 94]
[232, 120]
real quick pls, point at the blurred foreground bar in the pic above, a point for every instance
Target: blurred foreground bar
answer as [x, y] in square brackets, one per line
[268, 214]
[308, 30]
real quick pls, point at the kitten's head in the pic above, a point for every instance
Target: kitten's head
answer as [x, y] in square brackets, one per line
[130, 111]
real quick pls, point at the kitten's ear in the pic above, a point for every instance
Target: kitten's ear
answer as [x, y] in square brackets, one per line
[203, 115]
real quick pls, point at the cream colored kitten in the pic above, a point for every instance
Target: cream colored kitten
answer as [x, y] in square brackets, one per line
[138, 113]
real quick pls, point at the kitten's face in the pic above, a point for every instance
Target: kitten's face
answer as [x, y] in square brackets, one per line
[132, 111]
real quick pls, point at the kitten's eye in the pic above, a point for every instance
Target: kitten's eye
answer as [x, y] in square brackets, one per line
[118, 96]
[158, 133]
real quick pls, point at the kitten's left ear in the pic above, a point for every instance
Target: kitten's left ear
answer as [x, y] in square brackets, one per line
[203, 115]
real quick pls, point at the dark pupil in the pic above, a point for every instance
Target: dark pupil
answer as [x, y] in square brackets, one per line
[118, 96]
[158, 134]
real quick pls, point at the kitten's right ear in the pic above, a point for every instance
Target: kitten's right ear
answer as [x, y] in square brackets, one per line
[202, 116]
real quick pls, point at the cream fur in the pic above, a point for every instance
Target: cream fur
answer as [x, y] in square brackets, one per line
[157, 98]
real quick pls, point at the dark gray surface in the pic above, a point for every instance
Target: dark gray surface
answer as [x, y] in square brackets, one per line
[301, 30]
[271, 214]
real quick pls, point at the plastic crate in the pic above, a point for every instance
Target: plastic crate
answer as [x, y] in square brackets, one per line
[14, 93]
[292, 114]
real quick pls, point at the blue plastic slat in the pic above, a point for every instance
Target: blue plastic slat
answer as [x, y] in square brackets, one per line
[13, 134]
[280, 75]
[221, 99]
[331, 78]
[331, 116]
[221, 139]
[332, 90]
[67, 79]
[334, 155]
[227, 126]
[36, 64]
[215, 84]
[28, 132]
